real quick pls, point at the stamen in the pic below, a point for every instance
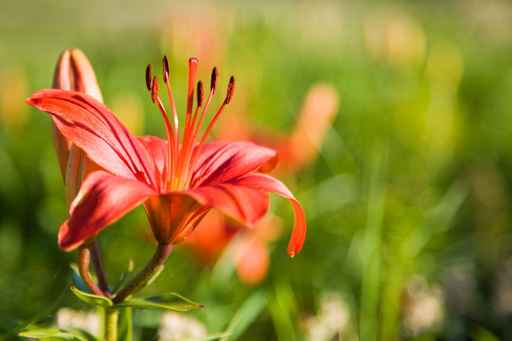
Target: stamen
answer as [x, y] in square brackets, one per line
[181, 157]
[171, 139]
[229, 96]
[188, 139]
[192, 72]
[174, 144]
[167, 81]
[213, 84]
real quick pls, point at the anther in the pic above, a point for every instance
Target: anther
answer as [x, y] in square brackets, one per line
[149, 77]
[165, 64]
[231, 90]
[154, 90]
[213, 79]
[200, 93]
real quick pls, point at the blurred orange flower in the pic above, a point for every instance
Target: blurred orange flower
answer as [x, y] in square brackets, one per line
[13, 113]
[297, 150]
[199, 30]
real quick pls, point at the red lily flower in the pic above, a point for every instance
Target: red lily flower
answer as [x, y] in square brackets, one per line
[178, 183]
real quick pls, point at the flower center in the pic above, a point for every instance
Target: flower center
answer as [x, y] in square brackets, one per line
[180, 157]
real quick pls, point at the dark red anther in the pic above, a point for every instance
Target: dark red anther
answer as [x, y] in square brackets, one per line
[213, 79]
[200, 93]
[165, 64]
[149, 77]
[154, 89]
[231, 90]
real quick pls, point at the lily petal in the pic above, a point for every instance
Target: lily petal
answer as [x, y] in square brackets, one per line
[103, 199]
[157, 148]
[170, 213]
[222, 161]
[244, 204]
[93, 127]
[267, 183]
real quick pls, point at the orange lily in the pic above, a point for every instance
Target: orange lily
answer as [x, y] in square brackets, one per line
[178, 182]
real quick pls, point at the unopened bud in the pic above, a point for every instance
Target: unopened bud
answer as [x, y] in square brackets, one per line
[74, 72]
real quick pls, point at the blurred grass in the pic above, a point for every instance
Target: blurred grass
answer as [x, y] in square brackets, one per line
[414, 178]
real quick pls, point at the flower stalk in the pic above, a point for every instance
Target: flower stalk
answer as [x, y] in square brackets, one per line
[110, 323]
[146, 275]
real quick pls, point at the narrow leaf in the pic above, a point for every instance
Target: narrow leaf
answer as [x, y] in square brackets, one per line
[245, 315]
[91, 298]
[170, 301]
[51, 333]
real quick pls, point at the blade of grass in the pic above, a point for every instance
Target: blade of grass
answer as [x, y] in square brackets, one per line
[245, 315]
[368, 318]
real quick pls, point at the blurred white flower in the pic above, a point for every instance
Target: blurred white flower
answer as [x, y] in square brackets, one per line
[177, 327]
[423, 306]
[88, 321]
[331, 321]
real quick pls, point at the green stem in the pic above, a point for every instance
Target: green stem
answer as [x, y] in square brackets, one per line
[146, 275]
[126, 316]
[111, 318]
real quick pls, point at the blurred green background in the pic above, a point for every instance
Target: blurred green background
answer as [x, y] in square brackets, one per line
[408, 200]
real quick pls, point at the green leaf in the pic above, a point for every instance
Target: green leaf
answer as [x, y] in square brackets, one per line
[170, 301]
[217, 336]
[51, 334]
[91, 298]
[245, 315]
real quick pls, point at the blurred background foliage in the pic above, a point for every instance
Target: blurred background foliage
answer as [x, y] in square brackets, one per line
[408, 200]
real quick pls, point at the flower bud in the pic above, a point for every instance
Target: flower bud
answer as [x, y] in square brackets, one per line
[73, 72]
